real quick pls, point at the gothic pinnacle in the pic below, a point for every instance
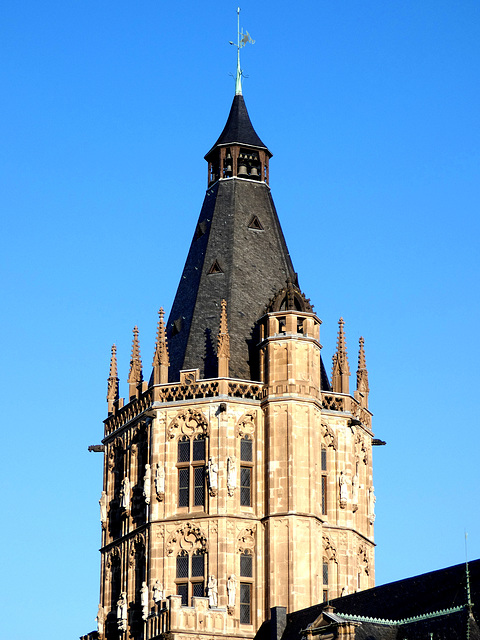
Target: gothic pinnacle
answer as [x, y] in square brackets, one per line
[361, 394]
[135, 376]
[161, 360]
[112, 383]
[223, 343]
[341, 369]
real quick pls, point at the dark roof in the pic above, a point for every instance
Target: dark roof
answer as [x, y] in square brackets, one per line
[238, 128]
[402, 600]
[228, 259]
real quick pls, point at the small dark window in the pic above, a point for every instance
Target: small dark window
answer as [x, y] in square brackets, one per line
[183, 487]
[182, 565]
[246, 450]
[199, 491]
[182, 590]
[255, 224]
[324, 459]
[324, 495]
[245, 603]
[215, 268]
[325, 573]
[199, 449]
[184, 450]
[246, 565]
[198, 590]
[198, 565]
[245, 486]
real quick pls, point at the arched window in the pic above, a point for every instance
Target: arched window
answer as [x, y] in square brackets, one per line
[190, 575]
[325, 579]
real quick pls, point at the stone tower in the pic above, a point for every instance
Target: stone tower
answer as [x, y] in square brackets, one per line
[238, 477]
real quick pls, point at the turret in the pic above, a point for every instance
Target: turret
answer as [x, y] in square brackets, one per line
[340, 369]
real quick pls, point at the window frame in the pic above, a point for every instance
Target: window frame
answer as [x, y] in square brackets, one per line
[188, 484]
[247, 465]
[189, 583]
[247, 581]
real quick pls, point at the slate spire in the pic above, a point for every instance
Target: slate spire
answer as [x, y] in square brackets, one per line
[230, 258]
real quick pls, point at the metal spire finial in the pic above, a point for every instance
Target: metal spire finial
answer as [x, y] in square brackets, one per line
[242, 39]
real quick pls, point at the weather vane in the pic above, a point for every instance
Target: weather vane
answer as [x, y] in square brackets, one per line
[242, 39]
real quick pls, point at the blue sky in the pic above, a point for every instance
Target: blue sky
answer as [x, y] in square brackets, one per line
[371, 110]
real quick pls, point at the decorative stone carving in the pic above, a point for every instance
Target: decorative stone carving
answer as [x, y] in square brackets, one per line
[122, 612]
[371, 504]
[160, 482]
[212, 477]
[125, 494]
[187, 538]
[212, 592]
[355, 487]
[231, 591]
[231, 475]
[144, 600]
[329, 436]
[328, 549]
[103, 509]
[147, 483]
[246, 425]
[190, 422]
[137, 549]
[246, 540]
[342, 481]
[158, 592]
[101, 617]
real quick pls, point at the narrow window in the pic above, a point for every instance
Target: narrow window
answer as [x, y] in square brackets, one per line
[245, 603]
[191, 456]
[245, 486]
[246, 565]
[324, 495]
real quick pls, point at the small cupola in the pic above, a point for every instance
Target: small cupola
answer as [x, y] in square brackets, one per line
[238, 152]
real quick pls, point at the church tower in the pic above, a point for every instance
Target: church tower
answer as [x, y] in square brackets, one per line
[237, 476]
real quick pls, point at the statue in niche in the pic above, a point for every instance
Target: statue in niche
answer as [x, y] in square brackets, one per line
[212, 477]
[342, 481]
[371, 504]
[122, 612]
[147, 481]
[160, 482]
[158, 593]
[231, 475]
[144, 600]
[212, 592]
[103, 509]
[355, 486]
[125, 494]
[100, 621]
[231, 591]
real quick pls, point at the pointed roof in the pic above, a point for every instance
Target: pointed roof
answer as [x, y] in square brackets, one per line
[253, 265]
[135, 376]
[238, 128]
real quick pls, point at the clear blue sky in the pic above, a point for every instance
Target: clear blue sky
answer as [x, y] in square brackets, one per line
[372, 112]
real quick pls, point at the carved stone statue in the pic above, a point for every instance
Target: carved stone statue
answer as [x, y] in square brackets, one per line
[355, 486]
[342, 480]
[212, 477]
[100, 621]
[122, 612]
[231, 475]
[144, 600]
[125, 494]
[231, 591]
[160, 481]
[212, 592]
[147, 483]
[158, 593]
[371, 504]
[103, 509]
